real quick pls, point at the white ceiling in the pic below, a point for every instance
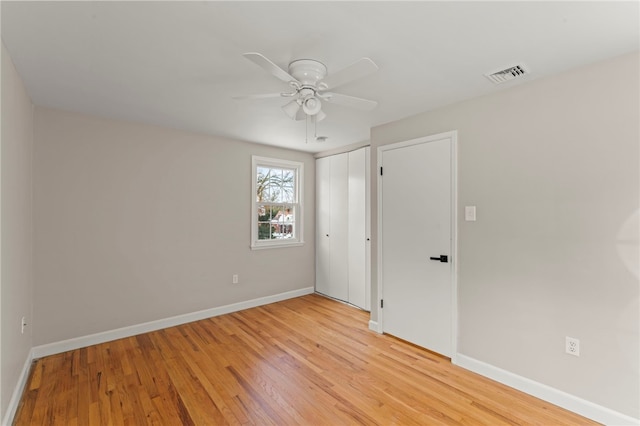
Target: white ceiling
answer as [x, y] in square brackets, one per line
[178, 64]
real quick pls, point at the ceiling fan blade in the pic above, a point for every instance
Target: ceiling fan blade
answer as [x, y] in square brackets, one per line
[269, 66]
[359, 69]
[262, 96]
[349, 101]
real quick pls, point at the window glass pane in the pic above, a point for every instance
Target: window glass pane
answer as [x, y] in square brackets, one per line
[274, 183]
[283, 222]
[264, 231]
[269, 226]
[287, 186]
[270, 190]
[276, 221]
[263, 213]
[262, 183]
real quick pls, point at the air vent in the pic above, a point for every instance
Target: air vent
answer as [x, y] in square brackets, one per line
[507, 74]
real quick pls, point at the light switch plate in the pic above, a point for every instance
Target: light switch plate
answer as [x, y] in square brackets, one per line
[470, 213]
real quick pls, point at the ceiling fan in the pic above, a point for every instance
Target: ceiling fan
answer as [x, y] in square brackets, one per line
[310, 82]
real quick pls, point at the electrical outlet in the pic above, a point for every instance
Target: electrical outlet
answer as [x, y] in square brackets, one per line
[572, 346]
[234, 279]
[23, 324]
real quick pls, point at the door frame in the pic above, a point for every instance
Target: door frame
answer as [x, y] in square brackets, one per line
[453, 135]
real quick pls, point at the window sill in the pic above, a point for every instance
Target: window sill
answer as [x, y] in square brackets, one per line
[261, 246]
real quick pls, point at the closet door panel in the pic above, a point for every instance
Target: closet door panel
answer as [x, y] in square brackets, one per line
[323, 224]
[338, 236]
[357, 228]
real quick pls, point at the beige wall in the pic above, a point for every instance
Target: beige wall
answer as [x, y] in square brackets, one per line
[135, 223]
[553, 168]
[16, 279]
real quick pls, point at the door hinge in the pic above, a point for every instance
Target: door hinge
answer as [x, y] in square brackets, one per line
[381, 303]
[380, 170]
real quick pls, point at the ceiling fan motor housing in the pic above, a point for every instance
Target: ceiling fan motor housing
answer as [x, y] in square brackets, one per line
[308, 71]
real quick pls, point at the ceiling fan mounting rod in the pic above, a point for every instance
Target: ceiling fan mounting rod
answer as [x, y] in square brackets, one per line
[306, 90]
[303, 92]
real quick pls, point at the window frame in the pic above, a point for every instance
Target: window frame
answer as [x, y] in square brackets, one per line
[298, 168]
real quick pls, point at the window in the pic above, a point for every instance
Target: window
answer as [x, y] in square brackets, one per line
[276, 218]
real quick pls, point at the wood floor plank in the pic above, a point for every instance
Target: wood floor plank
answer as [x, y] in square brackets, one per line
[309, 360]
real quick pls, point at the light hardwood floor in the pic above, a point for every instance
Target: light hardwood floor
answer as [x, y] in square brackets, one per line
[309, 361]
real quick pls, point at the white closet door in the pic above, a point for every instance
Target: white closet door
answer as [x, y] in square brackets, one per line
[323, 224]
[357, 228]
[338, 234]
[342, 227]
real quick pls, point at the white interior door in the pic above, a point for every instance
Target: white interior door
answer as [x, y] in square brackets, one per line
[416, 225]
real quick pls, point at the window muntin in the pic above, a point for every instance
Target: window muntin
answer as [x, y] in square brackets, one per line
[276, 206]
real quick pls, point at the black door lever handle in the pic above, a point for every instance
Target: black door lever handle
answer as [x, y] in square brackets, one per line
[442, 258]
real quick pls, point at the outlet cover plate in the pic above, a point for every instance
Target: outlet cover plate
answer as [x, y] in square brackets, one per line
[470, 213]
[572, 346]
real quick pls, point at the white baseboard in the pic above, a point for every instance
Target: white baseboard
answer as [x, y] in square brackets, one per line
[120, 333]
[373, 325]
[17, 392]
[547, 393]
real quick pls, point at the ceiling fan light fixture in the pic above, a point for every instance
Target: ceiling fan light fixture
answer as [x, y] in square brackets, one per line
[300, 115]
[291, 109]
[312, 105]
